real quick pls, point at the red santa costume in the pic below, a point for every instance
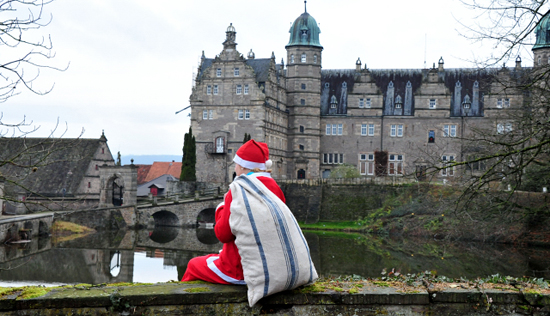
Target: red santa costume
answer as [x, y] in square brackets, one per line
[225, 267]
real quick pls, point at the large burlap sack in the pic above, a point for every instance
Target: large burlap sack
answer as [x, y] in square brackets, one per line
[274, 253]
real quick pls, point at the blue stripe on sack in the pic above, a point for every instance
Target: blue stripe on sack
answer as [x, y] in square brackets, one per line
[288, 263]
[290, 252]
[308, 253]
[258, 241]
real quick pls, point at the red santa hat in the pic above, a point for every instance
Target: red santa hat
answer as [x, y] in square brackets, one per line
[253, 154]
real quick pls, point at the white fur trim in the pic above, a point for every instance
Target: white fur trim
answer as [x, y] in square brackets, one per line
[268, 164]
[220, 205]
[210, 263]
[248, 164]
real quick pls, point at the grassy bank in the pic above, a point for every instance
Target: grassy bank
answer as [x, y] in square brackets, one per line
[431, 211]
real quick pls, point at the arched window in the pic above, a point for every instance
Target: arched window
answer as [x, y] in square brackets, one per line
[292, 59]
[220, 145]
[314, 59]
[304, 58]
[301, 174]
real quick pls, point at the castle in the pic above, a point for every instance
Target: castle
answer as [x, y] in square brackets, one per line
[390, 122]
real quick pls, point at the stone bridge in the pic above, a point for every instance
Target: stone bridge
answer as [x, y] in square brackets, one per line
[177, 214]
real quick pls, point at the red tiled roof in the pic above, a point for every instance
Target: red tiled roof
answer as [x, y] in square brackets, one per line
[161, 168]
[142, 172]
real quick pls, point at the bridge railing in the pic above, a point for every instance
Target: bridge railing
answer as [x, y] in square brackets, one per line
[189, 194]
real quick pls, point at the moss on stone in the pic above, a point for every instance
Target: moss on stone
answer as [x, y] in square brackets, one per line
[33, 291]
[197, 290]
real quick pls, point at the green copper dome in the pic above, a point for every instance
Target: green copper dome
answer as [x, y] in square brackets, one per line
[304, 31]
[543, 32]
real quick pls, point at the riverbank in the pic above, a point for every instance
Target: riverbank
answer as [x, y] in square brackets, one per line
[421, 296]
[423, 210]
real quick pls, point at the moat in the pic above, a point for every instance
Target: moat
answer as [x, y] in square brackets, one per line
[162, 255]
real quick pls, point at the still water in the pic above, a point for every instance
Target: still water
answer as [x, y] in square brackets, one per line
[162, 255]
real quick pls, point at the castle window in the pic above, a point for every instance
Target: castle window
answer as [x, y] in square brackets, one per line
[499, 103]
[215, 89]
[367, 103]
[218, 72]
[239, 89]
[506, 103]
[539, 61]
[371, 129]
[364, 129]
[220, 145]
[301, 129]
[366, 164]
[102, 150]
[340, 128]
[446, 160]
[211, 114]
[333, 102]
[292, 59]
[396, 130]
[240, 115]
[432, 104]
[245, 89]
[246, 114]
[328, 129]
[431, 136]
[301, 147]
[96, 167]
[89, 184]
[361, 103]
[398, 102]
[304, 58]
[449, 130]
[303, 86]
[395, 165]
[208, 89]
[314, 59]
[504, 128]
[303, 101]
[236, 72]
[205, 114]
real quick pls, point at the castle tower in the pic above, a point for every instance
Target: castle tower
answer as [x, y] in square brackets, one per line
[541, 49]
[303, 97]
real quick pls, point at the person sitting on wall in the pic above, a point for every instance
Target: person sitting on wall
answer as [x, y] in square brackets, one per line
[263, 246]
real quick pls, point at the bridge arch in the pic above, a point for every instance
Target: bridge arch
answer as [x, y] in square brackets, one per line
[166, 218]
[207, 215]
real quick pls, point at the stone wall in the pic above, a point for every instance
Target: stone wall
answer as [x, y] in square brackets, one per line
[335, 200]
[367, 298]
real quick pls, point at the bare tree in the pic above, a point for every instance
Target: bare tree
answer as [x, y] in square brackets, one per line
[512, 152]
[23, 50]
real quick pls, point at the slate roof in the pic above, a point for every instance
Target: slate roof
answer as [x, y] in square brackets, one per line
[46, 165]
[259, 65]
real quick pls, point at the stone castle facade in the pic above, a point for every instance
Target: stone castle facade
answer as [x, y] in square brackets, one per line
[392, 122]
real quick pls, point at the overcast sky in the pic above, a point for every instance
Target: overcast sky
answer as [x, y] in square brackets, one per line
[132, 61]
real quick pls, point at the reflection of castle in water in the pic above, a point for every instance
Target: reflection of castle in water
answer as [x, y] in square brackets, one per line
[106, 257]
[110, 257]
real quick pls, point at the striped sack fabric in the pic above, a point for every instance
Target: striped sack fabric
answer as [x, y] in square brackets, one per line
[274, 253]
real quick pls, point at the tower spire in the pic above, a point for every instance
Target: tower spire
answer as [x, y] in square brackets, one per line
[305, 5]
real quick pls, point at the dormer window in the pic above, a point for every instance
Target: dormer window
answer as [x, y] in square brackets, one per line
[304, 58]
[333, 102]
[398, 102]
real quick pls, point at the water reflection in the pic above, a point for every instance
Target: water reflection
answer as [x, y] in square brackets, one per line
[162, 255]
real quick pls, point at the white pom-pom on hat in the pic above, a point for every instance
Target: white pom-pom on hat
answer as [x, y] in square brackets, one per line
[268, 164]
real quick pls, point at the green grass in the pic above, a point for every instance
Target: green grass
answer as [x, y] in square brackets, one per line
[352, 225]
